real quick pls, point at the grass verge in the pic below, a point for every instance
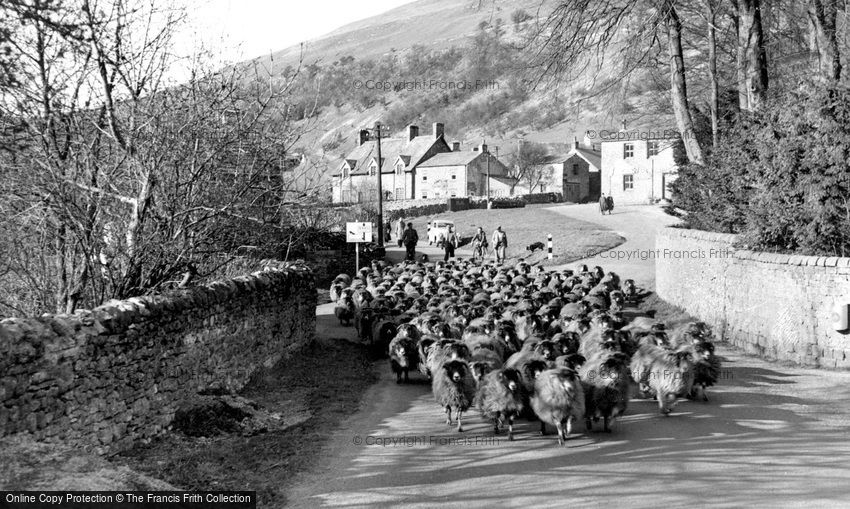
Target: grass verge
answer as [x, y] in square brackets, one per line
[572, 239]
[313, 390]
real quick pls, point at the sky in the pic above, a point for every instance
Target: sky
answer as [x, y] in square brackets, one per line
[251, 28]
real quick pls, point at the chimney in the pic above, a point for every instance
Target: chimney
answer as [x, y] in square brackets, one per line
[412, 132]
[438, 130]
[362, 137]
[483, 147]
[455, 146]
[575, 142]
[624, 124]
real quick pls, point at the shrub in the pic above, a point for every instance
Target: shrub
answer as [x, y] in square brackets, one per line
[780, 176]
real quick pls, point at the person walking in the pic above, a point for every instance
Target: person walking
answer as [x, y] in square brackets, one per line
[450, 244]
[500, 243]
[387, 230]
[479, 244]
[410, 238]
[610, 204]
[603, 204]
[399, 230]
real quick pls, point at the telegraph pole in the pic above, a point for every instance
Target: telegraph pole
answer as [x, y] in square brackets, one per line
[377, 130]
[380, 190]
[488, 175]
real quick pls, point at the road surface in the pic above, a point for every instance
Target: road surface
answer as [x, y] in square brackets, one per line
[769, 436]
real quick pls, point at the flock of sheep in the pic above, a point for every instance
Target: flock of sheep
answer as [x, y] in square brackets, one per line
[522, 342]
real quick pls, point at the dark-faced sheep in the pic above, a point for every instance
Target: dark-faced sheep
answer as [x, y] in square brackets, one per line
[344, 310]
[605, 381]
[403, 357]
[483, 361]
[454, 389]
[706, 368]
[558, 400]
[500, 395]
[447, 350]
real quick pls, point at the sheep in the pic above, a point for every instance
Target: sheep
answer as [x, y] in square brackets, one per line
[665, 373]
[454, 389]
[500, 395]
[484, 361]
[630, 290]
[706, 368]
[403, 357]
[558, 399]
[344, 311]
[446, 350]
[605, 380]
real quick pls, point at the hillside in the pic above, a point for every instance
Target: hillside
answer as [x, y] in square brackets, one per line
[423, 50]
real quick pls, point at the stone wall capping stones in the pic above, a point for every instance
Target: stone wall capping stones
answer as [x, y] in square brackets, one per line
[108, 378]
[774, 305]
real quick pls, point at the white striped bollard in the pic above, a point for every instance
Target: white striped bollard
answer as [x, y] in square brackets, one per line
[550, 246]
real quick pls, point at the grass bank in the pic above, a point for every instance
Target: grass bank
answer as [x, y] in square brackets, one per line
[572, 239]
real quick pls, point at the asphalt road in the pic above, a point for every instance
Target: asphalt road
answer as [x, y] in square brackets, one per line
[770, 436]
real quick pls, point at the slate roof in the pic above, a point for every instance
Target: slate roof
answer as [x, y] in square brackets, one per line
[411, 152]
[461, 158]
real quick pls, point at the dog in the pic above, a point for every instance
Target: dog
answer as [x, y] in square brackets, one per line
[534, 247]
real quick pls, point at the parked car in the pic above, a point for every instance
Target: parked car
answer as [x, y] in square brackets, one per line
[439, 230]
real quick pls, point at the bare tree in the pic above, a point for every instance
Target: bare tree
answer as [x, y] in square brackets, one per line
[530, 166]
[123, 179]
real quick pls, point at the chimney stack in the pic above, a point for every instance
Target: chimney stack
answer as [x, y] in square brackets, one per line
[455, 146]
[412, 132]
[483, 147]
[362, 137]
[575, 142]
[438, 130]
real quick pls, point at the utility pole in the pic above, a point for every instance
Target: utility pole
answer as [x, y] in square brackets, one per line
[484, 144]
[377, 130]
[380, 190]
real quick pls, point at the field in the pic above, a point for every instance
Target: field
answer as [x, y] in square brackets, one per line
[572, 239]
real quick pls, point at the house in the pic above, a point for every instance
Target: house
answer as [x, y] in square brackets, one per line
[576, 174]
[636, 171]
[458, 173]
[356, 178]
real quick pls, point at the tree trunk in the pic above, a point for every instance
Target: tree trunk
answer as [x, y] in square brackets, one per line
[740, 60]
[752, 58]
[823, 39]
[678, 87]
[711, 18]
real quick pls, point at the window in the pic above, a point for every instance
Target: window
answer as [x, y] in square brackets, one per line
[424, 177]
[628, 182]
[652, 148]
[454, 195]
[628, 150]
[454, 177]
[399, 193]
[575, 168]
[345, 172]
[372, 169]
[424, 195]
[399, 168]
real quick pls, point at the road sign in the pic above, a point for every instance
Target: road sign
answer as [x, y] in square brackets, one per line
[358, 232]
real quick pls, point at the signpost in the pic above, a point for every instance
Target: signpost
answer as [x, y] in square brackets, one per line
[357, 233]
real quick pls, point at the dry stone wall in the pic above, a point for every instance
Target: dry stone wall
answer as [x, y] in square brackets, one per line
[106, 378]
[773, 305]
